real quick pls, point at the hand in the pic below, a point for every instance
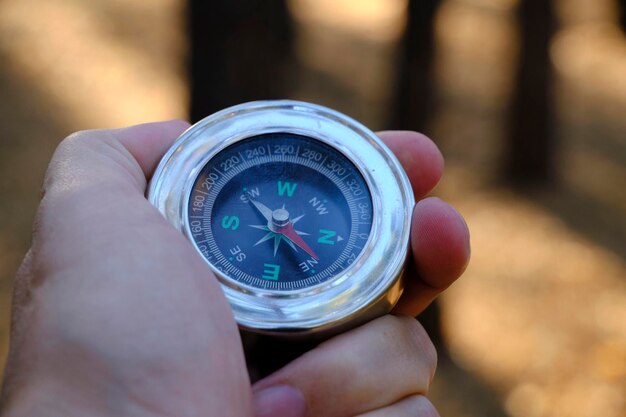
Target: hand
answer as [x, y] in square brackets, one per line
[113, 313]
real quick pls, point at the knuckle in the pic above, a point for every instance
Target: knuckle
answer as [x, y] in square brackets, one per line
[65, 172]
[70, 158]
[58, 164]
[71, 142]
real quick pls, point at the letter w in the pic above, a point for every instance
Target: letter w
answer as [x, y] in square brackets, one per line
[287, 187]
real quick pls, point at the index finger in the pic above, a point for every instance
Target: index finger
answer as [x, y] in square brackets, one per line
[439, 236]
[421, 159]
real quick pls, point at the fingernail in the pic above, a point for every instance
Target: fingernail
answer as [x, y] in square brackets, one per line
[279, 401]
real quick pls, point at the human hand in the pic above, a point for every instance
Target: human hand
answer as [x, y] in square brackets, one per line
[114, 314]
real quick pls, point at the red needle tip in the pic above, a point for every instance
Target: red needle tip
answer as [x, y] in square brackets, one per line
[290, 233]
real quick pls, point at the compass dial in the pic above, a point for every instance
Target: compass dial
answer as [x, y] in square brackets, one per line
[280, 211]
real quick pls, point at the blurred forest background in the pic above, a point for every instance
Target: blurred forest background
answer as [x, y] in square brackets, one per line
[526, 98]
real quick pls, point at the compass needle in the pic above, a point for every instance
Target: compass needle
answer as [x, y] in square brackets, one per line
[263, 209]
[290, 234]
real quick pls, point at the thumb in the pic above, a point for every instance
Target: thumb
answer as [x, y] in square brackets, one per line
[280, 401]
[93, 192]
[117, 156]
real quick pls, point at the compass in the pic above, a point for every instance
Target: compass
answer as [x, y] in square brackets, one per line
[302, 213]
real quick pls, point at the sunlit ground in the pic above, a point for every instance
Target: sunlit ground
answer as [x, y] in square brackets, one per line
[537, 326]
[540, 316]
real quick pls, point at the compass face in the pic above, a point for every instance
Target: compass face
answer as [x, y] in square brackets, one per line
[280, 211]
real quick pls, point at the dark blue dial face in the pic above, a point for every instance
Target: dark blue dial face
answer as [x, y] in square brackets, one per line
[280, 211]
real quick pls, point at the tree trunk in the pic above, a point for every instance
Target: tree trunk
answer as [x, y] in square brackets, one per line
[239, 51]
[529, 157]
[413, 105]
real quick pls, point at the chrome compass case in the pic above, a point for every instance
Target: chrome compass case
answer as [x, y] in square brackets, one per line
[302, 213]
